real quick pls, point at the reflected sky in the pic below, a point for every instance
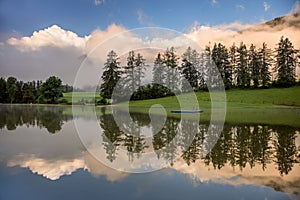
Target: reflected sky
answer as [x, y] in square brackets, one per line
[38, 164]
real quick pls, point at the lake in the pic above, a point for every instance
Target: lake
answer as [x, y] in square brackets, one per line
[52, 152]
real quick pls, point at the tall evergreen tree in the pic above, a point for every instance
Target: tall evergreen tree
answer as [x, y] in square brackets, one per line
[232, 57]
[134, 71]
[171, 64]
[201, 70]
[140, 65]
[28, 92]
[19, 93]
[254, 65]
[208, 70]
[158, 70]
[188, 68]
[111, 75]
[12, 88]
[265, 63]
[242, 71]
[129, 72]
[3, 89]
[285, 63]
[220, 58]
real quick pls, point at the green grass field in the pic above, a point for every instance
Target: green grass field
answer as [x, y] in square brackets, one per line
[260, 106]
[238, 98]
[79, 97]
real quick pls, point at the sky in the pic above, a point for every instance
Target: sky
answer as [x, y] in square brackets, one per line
[83, 16]
[43, 38]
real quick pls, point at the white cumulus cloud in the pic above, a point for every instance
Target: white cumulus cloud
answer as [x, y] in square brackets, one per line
[53, 36]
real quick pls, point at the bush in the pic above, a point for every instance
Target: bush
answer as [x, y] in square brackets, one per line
[102, 101]
[63, 101]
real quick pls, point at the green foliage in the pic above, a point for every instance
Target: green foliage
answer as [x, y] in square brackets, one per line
[285, 63]
[242, 71]
[11, 85]
[159, 72]
[3, 89]
[28, 91]
[265, 62]
[133, 71]
[111, 75]
[190, 61]
[221, 59]
[170, 61]
[151, 92]
[254, 65]
[102, 101]
[51, 90]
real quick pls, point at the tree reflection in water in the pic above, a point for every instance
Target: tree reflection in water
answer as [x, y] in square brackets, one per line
[51, 118]
[238, 145]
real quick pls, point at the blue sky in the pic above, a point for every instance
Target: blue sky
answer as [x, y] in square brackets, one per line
[39, 38]
[83, 16]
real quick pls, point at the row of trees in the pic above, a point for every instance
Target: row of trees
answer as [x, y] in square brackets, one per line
[16, 91]
[238, 66]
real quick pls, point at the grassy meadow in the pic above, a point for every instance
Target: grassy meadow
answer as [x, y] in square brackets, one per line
[81, 97]
[259, 106]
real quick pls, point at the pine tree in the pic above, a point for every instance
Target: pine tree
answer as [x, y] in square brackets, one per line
[220, 58]
[265, 63]
[242, 71]
[140, 65]
[3, 89]
[110, 76]
[232, 57]
[208, 69]
[171, 64]
[11, 85]
[201, 67]
[129, 73]
[134, 71]
[188, 68]
[28, 93]
[285, 63]
[158, 70]
[254, 65]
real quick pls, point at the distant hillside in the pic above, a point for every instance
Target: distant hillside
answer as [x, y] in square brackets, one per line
[279, 23]
[289, 20]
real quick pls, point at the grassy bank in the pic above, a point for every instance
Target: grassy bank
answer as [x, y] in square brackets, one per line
[238, 98]
[261, 106]
[81, 97]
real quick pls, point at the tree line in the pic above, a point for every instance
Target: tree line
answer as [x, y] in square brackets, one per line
[16, 91]
[239, 67]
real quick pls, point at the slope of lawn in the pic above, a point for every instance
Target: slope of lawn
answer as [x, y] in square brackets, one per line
[79, 97]
[262, 106]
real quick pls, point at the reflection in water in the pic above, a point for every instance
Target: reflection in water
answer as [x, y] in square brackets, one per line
[244, 153]
[51, 118]
[238, 145]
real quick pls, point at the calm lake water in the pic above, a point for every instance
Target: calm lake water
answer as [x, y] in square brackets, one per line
[43, 157]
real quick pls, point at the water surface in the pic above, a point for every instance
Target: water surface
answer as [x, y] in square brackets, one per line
[42, 157]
